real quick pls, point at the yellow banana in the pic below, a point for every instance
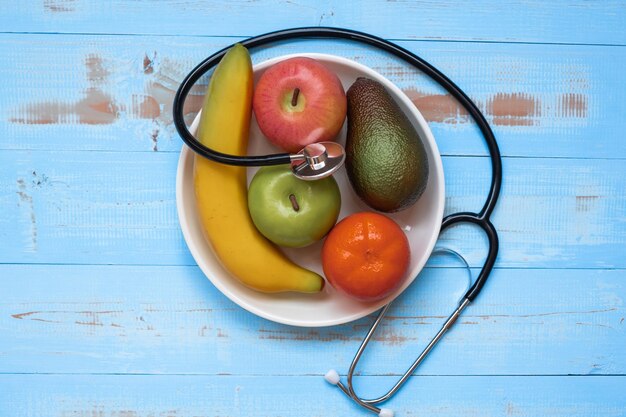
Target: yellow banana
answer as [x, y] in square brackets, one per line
[221, 190]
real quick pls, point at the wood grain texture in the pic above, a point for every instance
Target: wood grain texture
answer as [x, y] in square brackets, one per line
[103, 312]
[116, 92]
[171, 320]
[177, 396]
[504, 21]
[112, 207]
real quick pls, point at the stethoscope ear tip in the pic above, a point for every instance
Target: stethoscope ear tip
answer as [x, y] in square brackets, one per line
[332, 377]
[385, 412]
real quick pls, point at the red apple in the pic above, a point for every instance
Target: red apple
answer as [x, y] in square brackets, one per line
[299, 101]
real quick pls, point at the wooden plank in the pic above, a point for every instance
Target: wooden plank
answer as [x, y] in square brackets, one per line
[116, 92]
[505, 21]
[173, 396]
[171, 320]
[112, 207]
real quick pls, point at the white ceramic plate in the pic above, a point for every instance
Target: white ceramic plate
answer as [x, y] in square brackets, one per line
[421, 222]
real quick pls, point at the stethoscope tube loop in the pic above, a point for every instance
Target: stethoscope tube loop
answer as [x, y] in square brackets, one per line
[215, 156]
[485, 224]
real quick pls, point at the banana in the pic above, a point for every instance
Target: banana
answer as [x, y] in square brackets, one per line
[221, 190]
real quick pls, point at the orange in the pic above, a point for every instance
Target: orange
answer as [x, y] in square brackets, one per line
[366, 256]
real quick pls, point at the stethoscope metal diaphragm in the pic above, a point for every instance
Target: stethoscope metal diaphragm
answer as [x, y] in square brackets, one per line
[317, 160]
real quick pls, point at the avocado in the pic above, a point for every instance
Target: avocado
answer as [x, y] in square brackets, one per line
[386, 160]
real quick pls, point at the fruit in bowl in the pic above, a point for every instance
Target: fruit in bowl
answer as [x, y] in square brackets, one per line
[366, 256]
[299, 101]
[289, 211]
[386, 160]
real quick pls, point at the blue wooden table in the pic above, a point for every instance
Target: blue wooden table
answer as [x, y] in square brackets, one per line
[103, 311]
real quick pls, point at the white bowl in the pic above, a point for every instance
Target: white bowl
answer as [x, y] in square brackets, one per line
[421, 222]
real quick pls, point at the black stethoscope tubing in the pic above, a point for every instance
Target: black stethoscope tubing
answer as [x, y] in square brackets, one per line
[481, 219]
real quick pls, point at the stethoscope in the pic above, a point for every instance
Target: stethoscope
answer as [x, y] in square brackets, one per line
[320, 160]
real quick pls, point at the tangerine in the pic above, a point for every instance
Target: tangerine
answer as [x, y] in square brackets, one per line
[366, 256]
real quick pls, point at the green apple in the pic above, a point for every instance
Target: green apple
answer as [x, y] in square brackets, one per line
[289, 211]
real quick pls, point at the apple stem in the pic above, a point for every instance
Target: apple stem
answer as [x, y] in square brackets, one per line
[294, 98]
[294, 202]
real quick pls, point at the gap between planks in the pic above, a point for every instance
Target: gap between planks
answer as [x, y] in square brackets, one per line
[244, 37]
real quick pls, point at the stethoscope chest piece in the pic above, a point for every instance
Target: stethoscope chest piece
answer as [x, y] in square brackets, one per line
[317, 160]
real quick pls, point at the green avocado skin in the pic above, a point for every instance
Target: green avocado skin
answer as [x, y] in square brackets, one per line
[386, 161]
